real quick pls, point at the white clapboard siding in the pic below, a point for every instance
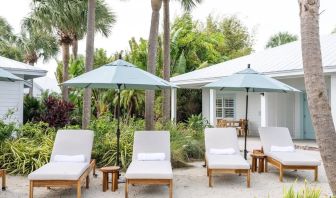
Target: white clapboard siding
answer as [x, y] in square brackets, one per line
[11, 99]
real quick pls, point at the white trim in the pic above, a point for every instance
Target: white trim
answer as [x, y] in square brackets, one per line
[333, 96]
[263, 110]
[212, 107]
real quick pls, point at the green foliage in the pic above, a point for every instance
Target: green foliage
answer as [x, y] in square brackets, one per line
[31, 109]
[29, 151]
[32, 146]
[189, 103]
[6, 130]
[198, 122]
[305, 192]
[280, 39]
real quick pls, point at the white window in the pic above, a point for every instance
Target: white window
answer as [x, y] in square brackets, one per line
[225, 107]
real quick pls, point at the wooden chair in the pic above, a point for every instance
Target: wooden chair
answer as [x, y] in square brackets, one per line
[3, 177]
[280, 136]
[58, 174]
[225, 164]
[150, 172]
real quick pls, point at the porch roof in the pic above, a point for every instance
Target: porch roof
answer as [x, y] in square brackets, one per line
[21, 69]
[279, 62]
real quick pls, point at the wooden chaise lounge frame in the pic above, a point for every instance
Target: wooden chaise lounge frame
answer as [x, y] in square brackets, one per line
[65, 183]
[168, 182]
[246, 172]
[3, 177]
[277, 164]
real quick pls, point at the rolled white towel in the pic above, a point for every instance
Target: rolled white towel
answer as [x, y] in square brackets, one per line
[69, 158]
[151, 156]
[226, 151]
[282, 149]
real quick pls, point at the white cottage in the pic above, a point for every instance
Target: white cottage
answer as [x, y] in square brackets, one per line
[11, 93]
[265, 109]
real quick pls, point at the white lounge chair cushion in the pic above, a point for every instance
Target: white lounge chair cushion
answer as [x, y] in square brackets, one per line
[59, 171]
[226, 151]
[151, 156]
[227, 162]
[295, 158]
[282, 149]
[149, 170]
[69, 158]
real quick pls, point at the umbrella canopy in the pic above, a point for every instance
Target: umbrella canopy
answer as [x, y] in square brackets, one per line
[120, 73]
[249, 80]
[7, 76]
[254, 81]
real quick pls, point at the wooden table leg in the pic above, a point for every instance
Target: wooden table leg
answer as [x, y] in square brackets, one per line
[254, 164]
[3, 180]
[105, 182]
[115, 176]
[261, 165]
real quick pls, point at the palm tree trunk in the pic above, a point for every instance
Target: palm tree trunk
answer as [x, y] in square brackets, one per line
[74, 48]
[31, 89]
[166, 59]
[65, 58]
[151, 64]
[318, 102]
[89, 61]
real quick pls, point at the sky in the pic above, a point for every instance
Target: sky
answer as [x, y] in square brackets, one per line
[262, 17]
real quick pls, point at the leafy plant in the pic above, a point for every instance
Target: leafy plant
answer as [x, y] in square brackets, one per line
[305, 192]
[31, 109]
[6, 130]
[57, 112]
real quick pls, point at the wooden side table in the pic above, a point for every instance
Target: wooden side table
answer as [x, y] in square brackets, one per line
[3, 177]
[114, 170]
[259, 162]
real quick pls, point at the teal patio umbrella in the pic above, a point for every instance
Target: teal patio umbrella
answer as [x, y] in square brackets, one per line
[119, 75]
[248, 80]
[7, 76]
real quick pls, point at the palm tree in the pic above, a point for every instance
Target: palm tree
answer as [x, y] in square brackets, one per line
[151, 62]
[66, 19]
[187, 6]
[36, 45]
[8, 47]
[318, 102]
[88, 60]
[280, 39]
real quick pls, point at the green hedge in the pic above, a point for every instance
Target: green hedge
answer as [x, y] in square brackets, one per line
[31, 148]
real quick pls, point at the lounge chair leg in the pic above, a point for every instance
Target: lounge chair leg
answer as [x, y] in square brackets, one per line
[248, 178]
[126, 189]
[171, 189]
[3, 180]
[31, 189]
[281, 173]
[210, 178]
[87, 182]
[316, 173]
[78, 189]
[266, 165]
[207, 172]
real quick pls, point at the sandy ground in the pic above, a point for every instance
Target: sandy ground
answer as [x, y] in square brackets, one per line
[189, 183]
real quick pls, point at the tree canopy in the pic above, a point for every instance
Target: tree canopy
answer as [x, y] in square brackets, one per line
[280, 39]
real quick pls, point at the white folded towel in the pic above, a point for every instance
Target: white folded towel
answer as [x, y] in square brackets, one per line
[226, 151]
[282, 149]
[151, 156]
[69, 158]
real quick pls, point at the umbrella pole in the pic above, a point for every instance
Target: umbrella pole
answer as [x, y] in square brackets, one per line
[246, 124]
[118, 127]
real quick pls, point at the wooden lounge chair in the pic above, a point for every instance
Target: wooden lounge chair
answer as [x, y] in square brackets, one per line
[150, 172]
[285, 160]
[224, 138]
[3, 178]
[65, 173]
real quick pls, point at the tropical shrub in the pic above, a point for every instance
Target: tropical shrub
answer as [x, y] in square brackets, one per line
[305, 192]
[32, 146]
[57, 112]
[31, 109]
[29, 151]
[6, 130]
